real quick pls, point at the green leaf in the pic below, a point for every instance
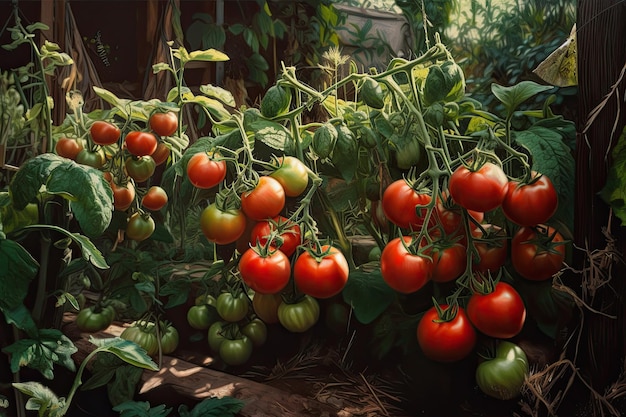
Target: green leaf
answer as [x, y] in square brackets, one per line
[102, 371]
[31, 176]
[110, 98]
[141, 409]
[177, 292]
[272, 134]
[42, 399]
[550, 308]
[218, 93]
[37, 26]
[552, 157]
[17, 269]
[124, 386]
[161, 66]
[50, 348]
[20, 316]
[215, 107]
[614, 190]
[345, 154]
[236, 29]
[368, 294]
[128, 351]
[516, 94]
[213, 407]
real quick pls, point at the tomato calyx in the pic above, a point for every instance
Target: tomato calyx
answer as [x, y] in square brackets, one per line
[484, 283]
[544, 239]
[446, 312]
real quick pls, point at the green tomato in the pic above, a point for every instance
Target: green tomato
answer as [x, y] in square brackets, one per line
[95, 318]
[140, 168]
[300, 316]
[503, 376]
[256, 331]
[169, 338]
[143, 334]
[231, 307]
[215, 336]
[201, 317]
[95, 159]
[236, 351]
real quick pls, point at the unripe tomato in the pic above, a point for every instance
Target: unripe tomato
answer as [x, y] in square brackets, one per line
[231, 307]
[300, 316]
[222, 226]
[266, 306]
[95, 318]
[164, 124]
[140, 168]
[104, 133]
[256, 331]
[236, 351]
[95, 159]
[200, 316]
[140, 226]
[141, 143]
[292, 174]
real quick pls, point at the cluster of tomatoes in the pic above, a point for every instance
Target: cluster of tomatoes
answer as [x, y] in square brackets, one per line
[127, 160]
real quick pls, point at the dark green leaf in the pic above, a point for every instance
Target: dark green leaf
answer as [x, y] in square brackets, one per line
[124, 385]
[17, 269]
[213, 407]
[177, 292]
[20, 316]
[368, 294]
[141, 409]
[516, 94]
[31, 176]
[614, 190]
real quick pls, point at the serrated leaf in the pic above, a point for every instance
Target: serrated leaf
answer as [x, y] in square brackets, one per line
[128, 351]
[552, 157]
[614, 190]
[141, 409]
[177, 292]
[213, 407]
[209, 55]
[17, 269]
[368, 294]
[218, 93]
[42, 399]
[215, 107]
[124, 385]
[272, 134]
[512, 97]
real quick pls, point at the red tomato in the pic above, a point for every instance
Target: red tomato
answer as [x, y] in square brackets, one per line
[141, 143]
[104, 133]
[537, 253]
[399, 205]
[292, 174]
[206, 170]
[155, 199]
[266, 200]
[500, 313]
[289, 234]
[123, 195]
[68, 148]
[530, 204]
[323, 276]
[449, 261]
[164, 124]
[265, 273]
[402, 270]
[481, 190]
[491, 246]
[443, 339]
[222, 226]
[161, 153]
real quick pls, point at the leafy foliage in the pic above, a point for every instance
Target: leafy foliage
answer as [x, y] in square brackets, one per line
[614, 190]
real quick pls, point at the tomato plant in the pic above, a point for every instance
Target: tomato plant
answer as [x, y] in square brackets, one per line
[222, 226]
[401, 203]
[265, 270]
[403, 268]
[232, 307]
[95, 318]
[169, 338]
[140, 143]
[140, 226]
[68, 148]
[143, 334]
[480, 189]
[155, 198]
[292, 174]
[321, 274]
[530, 203]
[140, 168]
[503, 375]
[266, 306]
[123, 195]
[215, 335]
[498, 311]
[299, 316]
[206, 170]
[445, 334]
[537, 253]
[450, 216]
[163, 123]
[265, 201]
[104, 133]
[287, 234]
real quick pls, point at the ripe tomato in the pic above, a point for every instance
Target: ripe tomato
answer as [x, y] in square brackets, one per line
[450, 216]
[232, 308]
[537, 253]
[446, 339]
[399, 205]
[206, 170]
[164, 124]
[140, 168]
[161, 153]
[404, 271]
[155, 199]
[500, 313]
[480, 190]
[222, 226]
[321, 276]
[123, 195]
[141, 143]
[503, 375]
[449, 261]
[68, 148]
[104, 133]
[292, 174]
[140, 226]
[532, 203]
[95, 159]
[266, 272]
[265, 201]
[288, 233]
[300, 316]
[491, 244]
[266, 306]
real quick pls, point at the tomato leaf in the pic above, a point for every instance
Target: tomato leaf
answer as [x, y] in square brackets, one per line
[141, 408]
[129, 352]
[614, 190]
[42, 398]
[213, 407]
[368, 294]
[272, 134]
[17, 269]
[218, 93]
[516, 94]
[177, 292]
[49, 348]
[552, 157]
[124, 385]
